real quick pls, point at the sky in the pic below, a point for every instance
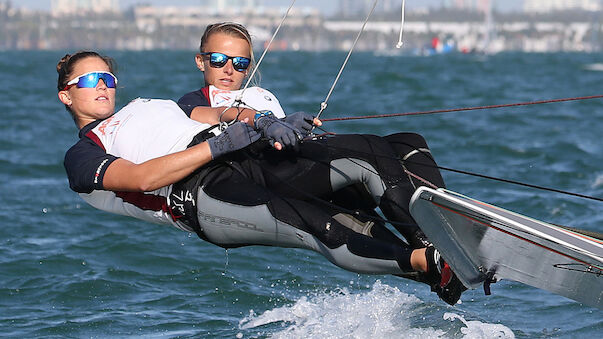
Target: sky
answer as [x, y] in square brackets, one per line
[325, 6]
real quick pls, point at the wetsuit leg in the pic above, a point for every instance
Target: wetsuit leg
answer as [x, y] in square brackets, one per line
[234, 210]
[326, 165]
[417, 159]
[421, 170]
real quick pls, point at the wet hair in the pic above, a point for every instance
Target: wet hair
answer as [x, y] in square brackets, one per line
[235, 30]
[67, 64]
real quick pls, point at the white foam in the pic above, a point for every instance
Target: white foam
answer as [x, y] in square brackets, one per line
[382, 312]
[598, 181]
[477, 330]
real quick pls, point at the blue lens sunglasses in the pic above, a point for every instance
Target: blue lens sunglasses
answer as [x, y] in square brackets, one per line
[90, 80]
[218, 60]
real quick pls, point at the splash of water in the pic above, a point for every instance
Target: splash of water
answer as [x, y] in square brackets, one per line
[382, 312]
[476, 329]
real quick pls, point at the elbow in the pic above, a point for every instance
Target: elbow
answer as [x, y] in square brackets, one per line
[146, 185]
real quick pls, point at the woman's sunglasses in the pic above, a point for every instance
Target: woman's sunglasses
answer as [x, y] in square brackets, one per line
[218, 60]
[90, 80]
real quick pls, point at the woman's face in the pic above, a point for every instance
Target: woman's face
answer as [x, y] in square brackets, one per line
[88, 104]
[224, 77]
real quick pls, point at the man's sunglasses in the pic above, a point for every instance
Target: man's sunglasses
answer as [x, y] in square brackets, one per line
[218, 60]
[90, 80]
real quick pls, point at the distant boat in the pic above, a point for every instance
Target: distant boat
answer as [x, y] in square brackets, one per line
[437, 46]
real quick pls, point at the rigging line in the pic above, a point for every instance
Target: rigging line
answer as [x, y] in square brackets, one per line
[238, 100]
[400, 42]
[527, 103]
[323, 105]
[278, 28]
[508, 181]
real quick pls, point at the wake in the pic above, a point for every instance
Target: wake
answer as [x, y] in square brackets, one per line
[382, 312]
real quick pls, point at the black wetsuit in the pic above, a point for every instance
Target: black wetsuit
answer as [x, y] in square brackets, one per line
[317, 198]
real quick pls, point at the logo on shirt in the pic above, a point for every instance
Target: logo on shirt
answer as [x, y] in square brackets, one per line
[98, 170]
[220, 97]
[108, 123]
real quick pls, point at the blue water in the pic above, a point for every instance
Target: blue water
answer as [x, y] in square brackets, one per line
[67, 270]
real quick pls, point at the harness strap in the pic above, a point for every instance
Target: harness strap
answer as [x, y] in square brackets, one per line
[415, 151]
[412, 175]
[182, 200]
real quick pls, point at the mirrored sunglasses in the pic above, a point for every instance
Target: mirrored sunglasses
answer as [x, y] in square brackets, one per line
[218, 60]
[90, 80]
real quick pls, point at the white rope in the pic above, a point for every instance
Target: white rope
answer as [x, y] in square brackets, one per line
[323, 105]
[238, 100]
[400, 42]
[267, 47]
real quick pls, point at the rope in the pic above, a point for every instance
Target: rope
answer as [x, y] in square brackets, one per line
[520, 183]
[400, 42]
[323, 105]
[465, 108]
[508, 181]
[238, 100]
[268, 46]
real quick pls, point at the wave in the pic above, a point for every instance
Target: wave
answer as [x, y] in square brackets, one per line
[382, 312]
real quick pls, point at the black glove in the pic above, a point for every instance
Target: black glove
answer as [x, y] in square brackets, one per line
[236, 136]
[302, 121]
[278, 131]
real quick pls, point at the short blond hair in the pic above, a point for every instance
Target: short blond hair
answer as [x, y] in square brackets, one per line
[235, 30]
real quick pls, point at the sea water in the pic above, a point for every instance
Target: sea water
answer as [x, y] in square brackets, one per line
[68, 270]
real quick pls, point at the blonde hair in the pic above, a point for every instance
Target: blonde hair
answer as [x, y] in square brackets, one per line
[235, 30]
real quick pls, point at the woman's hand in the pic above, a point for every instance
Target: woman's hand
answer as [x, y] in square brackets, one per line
[237, 136]
[278, 131]
[302, 121]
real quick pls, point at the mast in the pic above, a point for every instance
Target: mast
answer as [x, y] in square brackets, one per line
[488, 26]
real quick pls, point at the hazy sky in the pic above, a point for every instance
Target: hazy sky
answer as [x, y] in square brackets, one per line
[325, 5]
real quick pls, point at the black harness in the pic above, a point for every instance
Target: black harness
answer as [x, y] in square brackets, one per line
[183, 198]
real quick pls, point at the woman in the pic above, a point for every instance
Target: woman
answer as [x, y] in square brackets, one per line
[128, 162]
[226, 59]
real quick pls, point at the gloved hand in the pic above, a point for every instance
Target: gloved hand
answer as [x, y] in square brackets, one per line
[302, 121]
[237, 136]
[279, 131]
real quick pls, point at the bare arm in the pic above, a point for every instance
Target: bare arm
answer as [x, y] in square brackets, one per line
[123, 175]
[211, 115]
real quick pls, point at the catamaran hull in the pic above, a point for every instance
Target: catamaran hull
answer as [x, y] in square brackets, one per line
[482, 242]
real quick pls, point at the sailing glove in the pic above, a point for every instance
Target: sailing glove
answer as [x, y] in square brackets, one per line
[237, 136]
[277, 130]
[302, 121]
